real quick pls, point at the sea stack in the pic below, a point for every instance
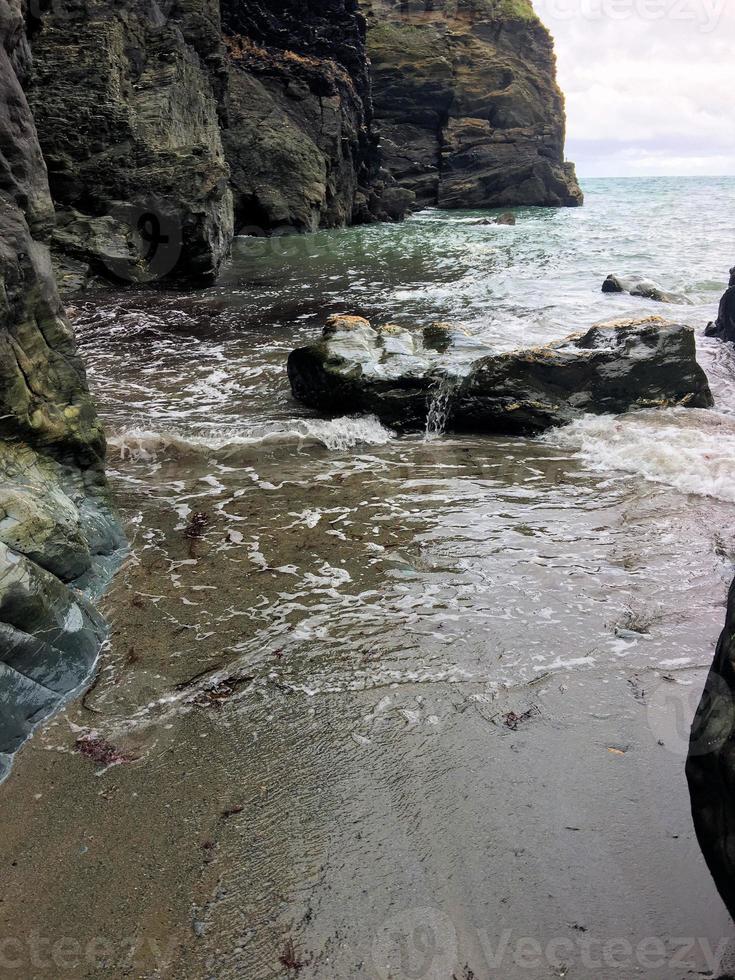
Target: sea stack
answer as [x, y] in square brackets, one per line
[467, 104]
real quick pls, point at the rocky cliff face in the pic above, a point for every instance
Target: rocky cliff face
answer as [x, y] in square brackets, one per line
[125, 98]
[164, 124]
[298, 135]
[56, 530]
[467, 103]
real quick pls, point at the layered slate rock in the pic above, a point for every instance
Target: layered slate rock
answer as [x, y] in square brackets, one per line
[57, 533]
[645, 289]
[724, 325]
[397, 374]
[467, 103]
[711, 764]
[299, 115]
[126, 100]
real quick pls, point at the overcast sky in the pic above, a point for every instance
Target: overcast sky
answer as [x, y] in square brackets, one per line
[650, 84]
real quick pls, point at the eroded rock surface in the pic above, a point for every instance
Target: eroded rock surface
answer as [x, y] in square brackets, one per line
[466, 99]
[299, 139]
[125, 98]
[396, 374]
[724, 325]
[57, 532]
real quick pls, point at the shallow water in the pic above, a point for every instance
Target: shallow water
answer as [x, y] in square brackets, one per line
[452, 675]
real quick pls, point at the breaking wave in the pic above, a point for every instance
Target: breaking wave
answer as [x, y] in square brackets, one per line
[335, 434]
[692, 451]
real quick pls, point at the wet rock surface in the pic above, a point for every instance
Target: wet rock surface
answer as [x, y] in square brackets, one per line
[711, 764]
[467, 103]
[56, 528]
[398, 375]
[125, 100]
[724, 325]
[643, 288]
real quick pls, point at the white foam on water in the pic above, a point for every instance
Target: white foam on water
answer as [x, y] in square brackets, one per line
[138, 443]
[691, 450]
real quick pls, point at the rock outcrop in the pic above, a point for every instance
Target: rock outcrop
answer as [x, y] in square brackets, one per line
[397, 375]
[169, 126]
[711, 764]
[645, 289]
[466, 98]
[724, 325]
[125, 101]
[57, 534]
[299, 121]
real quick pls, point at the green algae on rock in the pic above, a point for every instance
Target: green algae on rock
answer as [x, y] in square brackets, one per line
[57, 531]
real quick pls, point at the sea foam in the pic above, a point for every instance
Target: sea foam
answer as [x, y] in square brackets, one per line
[335, 434]
[692, 451]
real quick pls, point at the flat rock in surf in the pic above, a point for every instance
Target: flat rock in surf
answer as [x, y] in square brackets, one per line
[645, 289]
[399, 375]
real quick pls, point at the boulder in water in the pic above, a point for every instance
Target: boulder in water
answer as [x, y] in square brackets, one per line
[724, 325]
[506, 219]
[396, 374]
[644, 288]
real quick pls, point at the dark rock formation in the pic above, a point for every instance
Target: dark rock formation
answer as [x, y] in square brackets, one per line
[645, 289]
[56, 529]
[466, 98]
[299, 139]
[711, 764]
[154, 116]
[724, 325]
[125, 98]
[396, 374]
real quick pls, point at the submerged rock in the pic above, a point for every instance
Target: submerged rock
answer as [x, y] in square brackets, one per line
[724, 325]
[396, 373]
[466, 99]
[711, 764]
[644, 288]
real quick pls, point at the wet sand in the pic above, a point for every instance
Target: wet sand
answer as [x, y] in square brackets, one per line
[362, 754]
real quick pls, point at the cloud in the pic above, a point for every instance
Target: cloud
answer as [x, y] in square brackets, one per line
[648, 83]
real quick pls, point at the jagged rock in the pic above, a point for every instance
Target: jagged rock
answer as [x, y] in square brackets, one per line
[724, 325]
[125, 99]
[644, 288]
[467, 103]
[395, 373]
[56, 526]
[299, 138]
[711, 764]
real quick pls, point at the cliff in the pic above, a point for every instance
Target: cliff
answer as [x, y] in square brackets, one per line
[298, 134]
[56, 530]
[168, 126]
[126, 101]
[466, 100]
